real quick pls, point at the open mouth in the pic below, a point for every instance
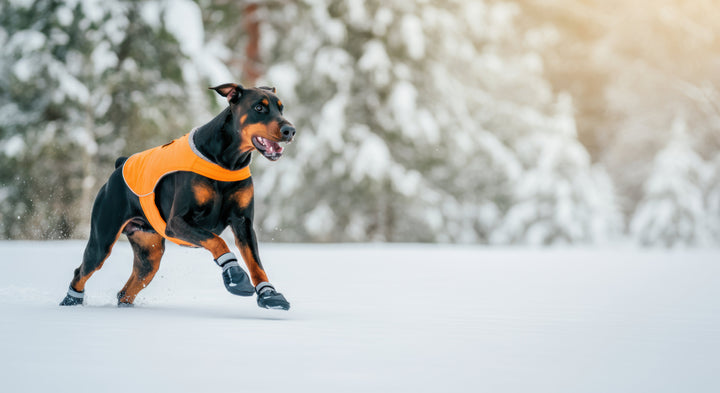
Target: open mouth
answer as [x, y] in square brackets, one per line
[271, 150]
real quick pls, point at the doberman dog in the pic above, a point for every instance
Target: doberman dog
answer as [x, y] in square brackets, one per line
[191, 204]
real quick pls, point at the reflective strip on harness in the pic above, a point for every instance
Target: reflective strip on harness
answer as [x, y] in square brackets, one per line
[143, 171]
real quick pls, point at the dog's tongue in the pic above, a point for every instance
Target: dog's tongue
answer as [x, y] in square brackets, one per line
[272, 147]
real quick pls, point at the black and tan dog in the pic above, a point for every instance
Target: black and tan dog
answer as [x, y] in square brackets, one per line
[188, 191]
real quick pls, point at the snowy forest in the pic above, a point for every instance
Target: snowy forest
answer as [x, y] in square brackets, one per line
[486, 122]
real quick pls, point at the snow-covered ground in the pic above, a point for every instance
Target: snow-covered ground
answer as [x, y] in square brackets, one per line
[369, 318]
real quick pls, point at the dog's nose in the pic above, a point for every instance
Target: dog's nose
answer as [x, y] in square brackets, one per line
[288, 132]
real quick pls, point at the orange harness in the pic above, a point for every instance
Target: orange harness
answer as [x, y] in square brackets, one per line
[142, 172]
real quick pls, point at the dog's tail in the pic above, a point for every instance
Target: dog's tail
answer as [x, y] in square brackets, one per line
[120, 161]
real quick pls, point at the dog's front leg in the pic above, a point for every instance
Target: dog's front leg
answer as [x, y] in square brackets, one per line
[246, 242]
[234, 277]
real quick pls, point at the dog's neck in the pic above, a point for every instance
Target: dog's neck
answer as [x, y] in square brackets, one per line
[219, 141]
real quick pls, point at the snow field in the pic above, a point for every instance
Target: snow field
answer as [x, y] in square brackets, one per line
[369, 318]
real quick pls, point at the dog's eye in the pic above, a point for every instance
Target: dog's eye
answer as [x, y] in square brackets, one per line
[260, 108]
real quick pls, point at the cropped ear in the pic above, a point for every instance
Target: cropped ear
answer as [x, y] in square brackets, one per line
[272, 89]
[230, 90]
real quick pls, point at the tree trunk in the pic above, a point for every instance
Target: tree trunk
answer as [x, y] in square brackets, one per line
[252, 66]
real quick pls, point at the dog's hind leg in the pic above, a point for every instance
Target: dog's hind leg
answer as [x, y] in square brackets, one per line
[148, 249]
[106, 225]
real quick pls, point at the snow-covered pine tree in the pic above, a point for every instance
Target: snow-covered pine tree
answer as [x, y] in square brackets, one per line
[556, 194]
[560, 196]
[83, 82]
[341, 175]
[672, 211]
[420, 122]
[385, 133]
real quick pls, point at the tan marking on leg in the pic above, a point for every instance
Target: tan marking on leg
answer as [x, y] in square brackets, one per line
[148, 249]
[244, 196]
[80, 284]
[257, 274]
[216, 246]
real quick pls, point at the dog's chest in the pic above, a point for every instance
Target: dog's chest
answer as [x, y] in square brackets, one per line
[208, 205]
[214, 201]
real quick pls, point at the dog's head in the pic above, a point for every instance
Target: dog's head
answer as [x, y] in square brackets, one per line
[257, 114]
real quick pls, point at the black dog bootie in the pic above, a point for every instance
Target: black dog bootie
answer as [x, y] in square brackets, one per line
[268, 298]
[234, 277]
[73, 298]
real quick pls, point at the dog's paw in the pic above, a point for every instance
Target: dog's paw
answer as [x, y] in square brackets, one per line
[237, 281]
[71, 301]
[268, 298]
[73, 298]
